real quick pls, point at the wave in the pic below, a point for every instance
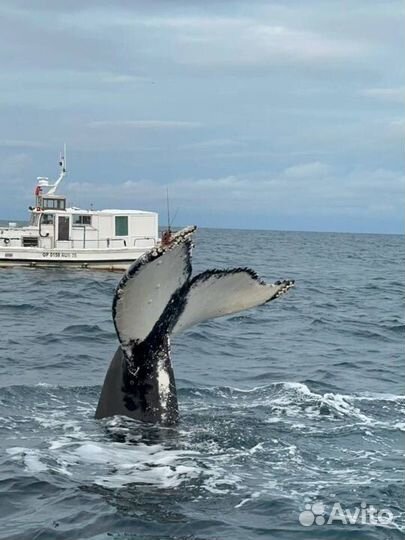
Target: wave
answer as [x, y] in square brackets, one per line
[230, 450]
[277, 393]
[295, 402]
[24, 308]
[297, 387]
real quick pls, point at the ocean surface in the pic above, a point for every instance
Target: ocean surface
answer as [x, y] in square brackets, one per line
[290, 412]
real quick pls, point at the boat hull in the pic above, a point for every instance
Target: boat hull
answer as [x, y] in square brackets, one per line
[66, 258]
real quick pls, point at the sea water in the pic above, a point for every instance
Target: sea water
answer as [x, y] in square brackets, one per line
[292, 414]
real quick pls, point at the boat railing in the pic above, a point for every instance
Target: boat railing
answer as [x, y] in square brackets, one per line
[113, 243]
[141, 242]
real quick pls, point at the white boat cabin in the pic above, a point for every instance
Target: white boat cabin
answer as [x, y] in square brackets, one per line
[61, 235]
[54, 226]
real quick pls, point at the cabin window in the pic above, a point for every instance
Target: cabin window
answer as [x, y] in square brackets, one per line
[81, 220]
[121, 225]
[47, 219]
[48, 203]
[57, 204]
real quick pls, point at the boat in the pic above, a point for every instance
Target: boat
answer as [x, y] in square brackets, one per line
[59, 235]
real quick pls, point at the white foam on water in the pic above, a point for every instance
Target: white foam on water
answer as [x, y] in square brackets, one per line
[294, 399]
[33, 462]
[255, 495]
[88, 456]
[116, 464]
[256, 448]
[376, 396]
[298, 387]
[15, 451]
[29, 457]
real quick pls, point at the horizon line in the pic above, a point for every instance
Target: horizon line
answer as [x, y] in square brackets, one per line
[234, 228]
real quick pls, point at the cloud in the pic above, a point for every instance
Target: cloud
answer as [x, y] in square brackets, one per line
[47, 41]
[13, 166]
[117, 78]
[131, 37]
[364, 194]
[9, 143]
[393, 95]
[398, 123]
[144, 124]
[210, 41]
[214, 144]
[281, 108]
[307, 170]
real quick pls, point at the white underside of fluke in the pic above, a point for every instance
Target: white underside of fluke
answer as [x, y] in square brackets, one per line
[146, 289]
[149, 286]
[222, 292]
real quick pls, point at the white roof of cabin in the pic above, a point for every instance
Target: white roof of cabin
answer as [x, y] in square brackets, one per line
[109, 211]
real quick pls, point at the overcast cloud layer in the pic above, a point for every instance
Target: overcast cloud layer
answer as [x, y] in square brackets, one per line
[279, 115]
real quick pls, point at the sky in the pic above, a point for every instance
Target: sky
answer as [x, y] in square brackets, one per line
[256, 114]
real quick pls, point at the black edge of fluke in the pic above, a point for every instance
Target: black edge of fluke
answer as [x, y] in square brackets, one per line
[219, 272]
[287, 284]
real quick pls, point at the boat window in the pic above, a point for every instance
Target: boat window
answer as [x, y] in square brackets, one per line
[121, 225]
[47, 219]
[81, 220]
[58, 204]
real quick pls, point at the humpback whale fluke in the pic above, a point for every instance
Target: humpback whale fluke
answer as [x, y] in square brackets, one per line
[156, 298]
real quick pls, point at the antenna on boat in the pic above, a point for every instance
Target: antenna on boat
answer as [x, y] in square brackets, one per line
[168, 210]
[62, 174]
[64, 157]
[170, 219]
[167, 234]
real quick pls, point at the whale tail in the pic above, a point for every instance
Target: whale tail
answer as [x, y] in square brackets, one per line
[156, 298]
